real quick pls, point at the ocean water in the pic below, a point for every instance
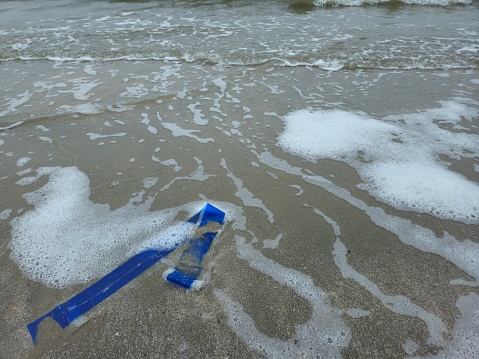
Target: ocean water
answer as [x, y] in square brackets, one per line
[340, 137]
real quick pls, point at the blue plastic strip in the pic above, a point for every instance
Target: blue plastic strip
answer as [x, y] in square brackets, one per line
[66, 312]
[208, 214]
[181, 279]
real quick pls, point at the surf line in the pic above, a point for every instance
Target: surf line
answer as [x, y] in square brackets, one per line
[68, 311]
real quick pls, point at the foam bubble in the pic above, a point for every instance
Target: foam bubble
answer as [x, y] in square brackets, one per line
[177, 131]
[45, 139]
[150, 182]
[81, 88]
[84, 108]
[23, 161]
[331, 134]
[410, 347]
[408, 186]
[15, 102]
[146, 121]
[67, 239]
[24, 172]
[5, 214]
[334, 65]
[96, 136]
[42, 128]
[137, 91]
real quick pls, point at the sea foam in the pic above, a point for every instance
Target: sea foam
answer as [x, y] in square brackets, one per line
[67, 239]
[397, 159]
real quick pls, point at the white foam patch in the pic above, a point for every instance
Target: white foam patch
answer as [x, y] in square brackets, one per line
[300, 190]
[45, 139]
[146, 121]
[26, 181]
[334, 65]
[96, 136]
[85, 109]
[67, 239]
[137, 91]
[23, 161]
[89, 70]
[16, 124]
[451, 196]
[198, 117]
[198, 175]
[81, 88]
[330, 134]
[5, 214]
[398, 159]
[170, 162]
[410, 347]
[222, 85]
[150, 182]
[168, 238]
[15, 102]
[272, 243]
[24, 172]
[177, 131]
[42, 128]
[1, 142]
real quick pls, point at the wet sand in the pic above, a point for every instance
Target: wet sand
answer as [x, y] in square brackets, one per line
[289, 229]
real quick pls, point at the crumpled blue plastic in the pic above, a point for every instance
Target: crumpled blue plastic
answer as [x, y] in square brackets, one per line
[68, 311]
[188, 268]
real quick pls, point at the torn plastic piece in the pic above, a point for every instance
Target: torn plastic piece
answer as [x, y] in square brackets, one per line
[68, 311]
[188, 268]
[208, 214]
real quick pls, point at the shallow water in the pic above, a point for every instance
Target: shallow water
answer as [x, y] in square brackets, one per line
[341, 141]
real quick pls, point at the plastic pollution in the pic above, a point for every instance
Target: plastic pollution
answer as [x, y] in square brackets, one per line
[68, 311]
[188, 269]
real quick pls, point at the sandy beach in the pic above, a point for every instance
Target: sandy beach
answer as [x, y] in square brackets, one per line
[322, 254]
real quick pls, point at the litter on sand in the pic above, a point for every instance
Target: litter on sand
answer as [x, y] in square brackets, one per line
[68, 311]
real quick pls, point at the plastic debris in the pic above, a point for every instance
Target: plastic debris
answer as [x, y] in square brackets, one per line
[188, 269]
[68, 311]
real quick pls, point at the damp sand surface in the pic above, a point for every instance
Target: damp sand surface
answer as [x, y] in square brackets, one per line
[325, 251]
[331, 242]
